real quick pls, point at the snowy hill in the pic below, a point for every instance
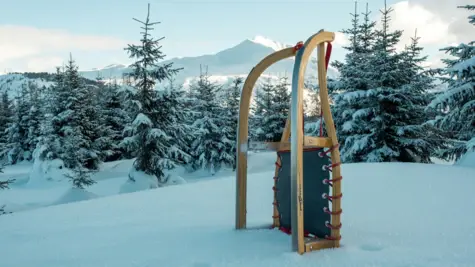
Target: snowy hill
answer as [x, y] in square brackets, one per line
[13, 82]
[395, 214]
[237, 60]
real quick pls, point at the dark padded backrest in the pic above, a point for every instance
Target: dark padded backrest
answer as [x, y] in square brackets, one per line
[313, 188]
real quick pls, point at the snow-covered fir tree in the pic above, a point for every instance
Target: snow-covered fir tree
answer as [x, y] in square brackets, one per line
[24, 130]
[457, 104]
[279, 112]
[260, 124]
[211, 146]
[148, 138]
[4, 184]
[174, 121]
[72, 126]
[35, 117]
[352, 107]
[18, 130]
[231, 110]
[380, 113]
[50, 141]
[82, 119]
[115, 117]
[6, 116]
[415, 139]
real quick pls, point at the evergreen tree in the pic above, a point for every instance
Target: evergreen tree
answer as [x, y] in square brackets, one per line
[380, 114]
[72, 126]
[456, 105]
[51, 127]
[148, 139]
[352, 109]
[6, 114]
[35, 118]
[262, 108]
[232, 113]
[280, 105]
[18, 129]
[174, 122]
[4, 184]
[416, 140]
[82, 121]
[24, 130]
[211, 147]
[115, 117]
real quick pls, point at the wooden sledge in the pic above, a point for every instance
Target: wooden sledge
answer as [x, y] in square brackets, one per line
[293, 130]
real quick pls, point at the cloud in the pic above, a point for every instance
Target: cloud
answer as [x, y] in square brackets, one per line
[341, 39]
[438, 22]
[39, 64]
[430, 27]
[29, 48]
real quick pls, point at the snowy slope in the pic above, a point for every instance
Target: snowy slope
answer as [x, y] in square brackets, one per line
[467, 160]
[394, 215]
[12, 83]
[236, 60]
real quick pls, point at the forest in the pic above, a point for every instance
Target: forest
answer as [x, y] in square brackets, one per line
[384, 102]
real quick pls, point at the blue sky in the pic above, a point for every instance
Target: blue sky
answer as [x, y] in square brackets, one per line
[96, 31]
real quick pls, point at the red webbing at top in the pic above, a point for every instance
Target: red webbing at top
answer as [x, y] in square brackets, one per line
[328, 54]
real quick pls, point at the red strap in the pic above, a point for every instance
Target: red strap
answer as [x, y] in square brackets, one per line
[298, 46]
[329, 53]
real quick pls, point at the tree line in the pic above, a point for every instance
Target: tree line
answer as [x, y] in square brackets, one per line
[383, 102]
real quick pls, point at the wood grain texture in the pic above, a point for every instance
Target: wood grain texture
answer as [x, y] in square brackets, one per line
[243, 128]
[331, 131]
[301, 61]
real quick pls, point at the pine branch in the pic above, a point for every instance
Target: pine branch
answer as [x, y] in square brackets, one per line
[5, 184]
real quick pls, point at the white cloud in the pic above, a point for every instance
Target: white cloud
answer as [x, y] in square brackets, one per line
[29, 48]
[430, 27]
[438, 22]
[341, 39]
[39, 64]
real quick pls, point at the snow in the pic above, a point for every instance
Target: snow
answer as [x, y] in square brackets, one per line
[74, 195]
[13, 83]
[276, 46]
[462, 66]
[467, 160]
[395, 214]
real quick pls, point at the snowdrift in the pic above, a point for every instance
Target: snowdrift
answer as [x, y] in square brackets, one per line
[467, 160]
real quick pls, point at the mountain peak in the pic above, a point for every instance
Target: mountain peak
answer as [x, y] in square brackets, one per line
[259, 39]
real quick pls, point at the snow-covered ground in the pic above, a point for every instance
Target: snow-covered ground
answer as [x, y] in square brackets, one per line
[394, 215]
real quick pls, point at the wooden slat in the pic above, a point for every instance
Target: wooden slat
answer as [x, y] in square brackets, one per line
[243, 128]
[331, 131]
[309, 142]
[312, 244]
[301, 60]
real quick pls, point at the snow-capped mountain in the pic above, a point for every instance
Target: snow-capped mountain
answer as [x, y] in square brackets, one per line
[235, 61]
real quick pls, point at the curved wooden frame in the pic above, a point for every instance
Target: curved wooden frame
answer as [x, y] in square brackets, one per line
[297, 140]
[243, 128]
[294, 130]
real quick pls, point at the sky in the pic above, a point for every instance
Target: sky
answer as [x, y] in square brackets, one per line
[39, 35]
